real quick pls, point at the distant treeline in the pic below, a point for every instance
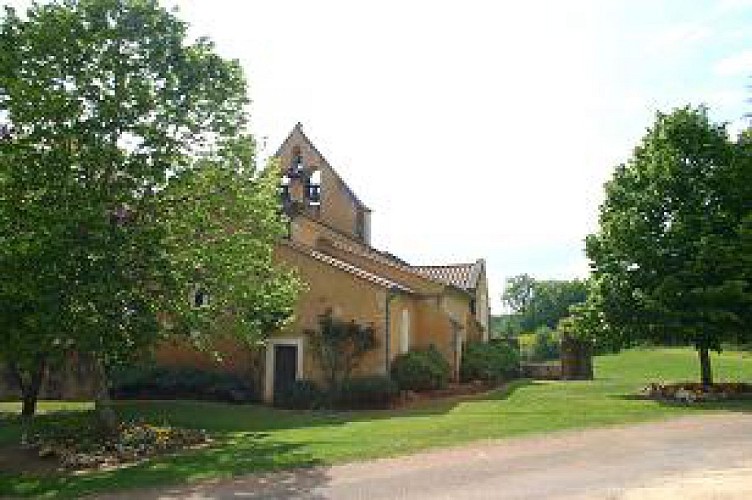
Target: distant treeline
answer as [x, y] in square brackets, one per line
[536, 303]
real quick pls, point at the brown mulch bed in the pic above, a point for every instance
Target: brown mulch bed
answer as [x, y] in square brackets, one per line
[452, 390]
[690, 392]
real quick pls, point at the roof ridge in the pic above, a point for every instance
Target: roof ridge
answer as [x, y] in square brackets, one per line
[346, 266]
[373, 253]
[446, 265]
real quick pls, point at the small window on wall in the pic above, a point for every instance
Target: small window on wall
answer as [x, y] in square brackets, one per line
[405, 331]
[200, 298]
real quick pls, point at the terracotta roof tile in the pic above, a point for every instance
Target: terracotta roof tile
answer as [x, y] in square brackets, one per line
[348, 268]
[464, 276]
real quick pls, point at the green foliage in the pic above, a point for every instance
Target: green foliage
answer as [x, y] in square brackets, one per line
[222, 220]
[301, 395]
[542, 345]
[539, 302]
[489, 361]
[421, 370]
[670, 260]
[506, 325]
[158, 382]
[546, 345]
[118, 126]
[338, 346]
[373, 391]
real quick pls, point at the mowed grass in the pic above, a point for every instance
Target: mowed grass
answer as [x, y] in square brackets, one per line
[255, 438]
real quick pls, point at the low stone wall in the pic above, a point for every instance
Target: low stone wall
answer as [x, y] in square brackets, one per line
[72, 381]
[541, 371]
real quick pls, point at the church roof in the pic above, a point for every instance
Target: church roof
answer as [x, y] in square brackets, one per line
[464, 276]
[348, 268]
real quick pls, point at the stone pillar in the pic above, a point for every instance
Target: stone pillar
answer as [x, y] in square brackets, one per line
[576, 359]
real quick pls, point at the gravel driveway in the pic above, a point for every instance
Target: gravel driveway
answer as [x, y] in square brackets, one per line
[707, 456]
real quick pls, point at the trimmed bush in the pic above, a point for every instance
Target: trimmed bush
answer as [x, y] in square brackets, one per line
[421, 370]
[376, 391]
[301, 395]
[489, 362]
[158, 382]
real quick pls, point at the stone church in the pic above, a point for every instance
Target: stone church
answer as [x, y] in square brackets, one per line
[329, 243]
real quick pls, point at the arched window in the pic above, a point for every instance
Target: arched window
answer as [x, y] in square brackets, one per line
[313, 188]
[405, 331]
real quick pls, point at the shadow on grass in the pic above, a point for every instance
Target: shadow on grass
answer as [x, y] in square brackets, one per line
[230, 456]
[259, 418]
[245, 442]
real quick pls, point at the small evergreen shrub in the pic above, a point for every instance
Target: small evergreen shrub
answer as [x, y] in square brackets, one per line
[421, 370]
[489, 362]
[376, 391]
[158, 382]
[301, 395]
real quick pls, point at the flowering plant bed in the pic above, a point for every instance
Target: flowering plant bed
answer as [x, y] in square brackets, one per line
[77, 448]
[689, 392]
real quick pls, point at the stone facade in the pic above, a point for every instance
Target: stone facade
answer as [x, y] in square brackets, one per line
[329, 245]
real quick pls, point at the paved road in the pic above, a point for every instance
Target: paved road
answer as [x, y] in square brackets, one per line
[694, 457]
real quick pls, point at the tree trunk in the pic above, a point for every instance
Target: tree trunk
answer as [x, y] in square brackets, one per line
[29, 394]
[102, 402]
[706, 372]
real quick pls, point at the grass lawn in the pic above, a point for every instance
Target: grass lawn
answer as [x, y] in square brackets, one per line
[252, 438]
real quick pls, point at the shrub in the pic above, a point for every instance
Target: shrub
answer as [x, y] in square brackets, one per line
[542, 345]
[339, 345]
[376, 391]
[490, 362]
[421, 370]
[301, 395]
[546, 345]
[158, 382]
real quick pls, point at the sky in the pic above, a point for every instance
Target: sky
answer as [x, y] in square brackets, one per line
[480, 128]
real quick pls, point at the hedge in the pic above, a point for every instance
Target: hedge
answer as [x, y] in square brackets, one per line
[158, 382]
[489, 362]
[421, 370]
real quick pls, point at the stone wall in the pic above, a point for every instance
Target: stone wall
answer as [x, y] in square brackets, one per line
[541, 371]
[72, 381]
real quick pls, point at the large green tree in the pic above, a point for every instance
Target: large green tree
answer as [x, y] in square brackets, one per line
[668, 259]
[110, 110]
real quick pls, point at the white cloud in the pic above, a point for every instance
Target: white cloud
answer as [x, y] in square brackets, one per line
[734, 65]
[681, 36]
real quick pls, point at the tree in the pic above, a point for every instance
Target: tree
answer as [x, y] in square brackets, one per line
[667, 260]
[538, 303]
[338, 346]
[518, 293]
[108, 105]
[222, 219]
